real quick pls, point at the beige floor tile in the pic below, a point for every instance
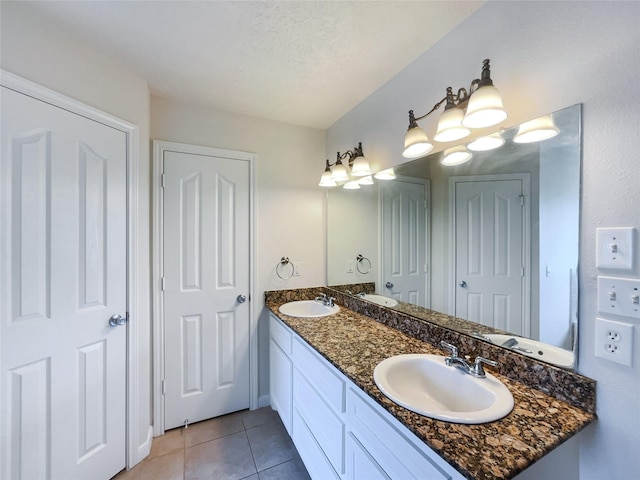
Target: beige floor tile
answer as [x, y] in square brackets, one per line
[163, 467]
[226, 458]
[215, 428]
[172, 440]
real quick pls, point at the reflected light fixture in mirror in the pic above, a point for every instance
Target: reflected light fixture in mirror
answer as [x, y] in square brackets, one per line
[484, 144]
[387, 174]
[480, 107]
[536, 130]
[456, 156]
[337, 172]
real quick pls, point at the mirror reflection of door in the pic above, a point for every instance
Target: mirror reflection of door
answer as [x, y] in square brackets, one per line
[491, 252]
[405, 261]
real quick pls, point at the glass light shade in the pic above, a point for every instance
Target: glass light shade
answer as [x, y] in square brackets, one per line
[536, 130]
[327, 179]
[450, 126]
[456, 156]
[352, 185]
[489, 142]
[368, 180]
[360, 167]
[485, 108]
[387, 174]
[416, 143]
[339, 173]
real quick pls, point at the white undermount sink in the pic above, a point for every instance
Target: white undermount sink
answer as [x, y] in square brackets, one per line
[380, 300]
[308, 309]
[423, 384]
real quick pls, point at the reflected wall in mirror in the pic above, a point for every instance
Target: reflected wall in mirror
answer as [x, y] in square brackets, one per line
[493, 240]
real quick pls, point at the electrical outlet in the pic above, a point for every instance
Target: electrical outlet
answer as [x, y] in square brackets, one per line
[297, 266]
[349, 266]
[614, 341]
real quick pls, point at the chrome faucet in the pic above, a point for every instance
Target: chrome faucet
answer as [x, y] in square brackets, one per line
[328, 301]
[361, 294]
[474, 370]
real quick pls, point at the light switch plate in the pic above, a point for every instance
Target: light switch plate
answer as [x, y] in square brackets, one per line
[618, 296]
[615, 248]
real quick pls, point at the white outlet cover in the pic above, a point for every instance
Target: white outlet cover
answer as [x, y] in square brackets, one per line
[615, 248]
[614, 341]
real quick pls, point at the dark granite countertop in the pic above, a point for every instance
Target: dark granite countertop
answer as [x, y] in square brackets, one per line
[355, 344]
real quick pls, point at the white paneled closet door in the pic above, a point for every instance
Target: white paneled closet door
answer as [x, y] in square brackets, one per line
[62, 277]
[206, 293]
[489, 253]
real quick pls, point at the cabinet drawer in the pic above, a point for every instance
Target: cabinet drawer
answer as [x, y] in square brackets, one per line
[328, 382]
[312, 455]
[327, 428]
[389, 443]
[280, 334]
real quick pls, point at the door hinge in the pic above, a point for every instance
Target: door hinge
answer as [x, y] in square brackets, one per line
[521, 199]
[164, 387]
[162, 180]
[162, 284]
[522, 271]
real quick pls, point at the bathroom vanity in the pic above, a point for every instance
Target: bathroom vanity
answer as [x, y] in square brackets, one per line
[323, 389]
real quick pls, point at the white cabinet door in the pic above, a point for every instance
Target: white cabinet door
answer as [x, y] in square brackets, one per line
[361, 465]
[62, 276]
[280, 384]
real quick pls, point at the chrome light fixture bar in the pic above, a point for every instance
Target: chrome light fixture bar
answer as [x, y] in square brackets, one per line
[480, 107]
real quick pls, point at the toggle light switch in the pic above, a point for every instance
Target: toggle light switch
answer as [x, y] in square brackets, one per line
[615, 248]
[619, 296]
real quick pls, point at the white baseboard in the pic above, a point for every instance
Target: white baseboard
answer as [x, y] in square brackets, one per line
[264, 401]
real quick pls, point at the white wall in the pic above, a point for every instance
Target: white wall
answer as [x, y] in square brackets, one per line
[353, 231]
[43, 54]
[546, 56]
[290, 207]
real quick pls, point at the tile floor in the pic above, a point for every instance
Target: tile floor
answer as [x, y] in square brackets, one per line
[251, 445]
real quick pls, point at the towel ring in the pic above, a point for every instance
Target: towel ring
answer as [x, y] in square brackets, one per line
[284, 261]
[359, 260]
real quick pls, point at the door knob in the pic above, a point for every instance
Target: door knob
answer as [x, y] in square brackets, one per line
[463, 284]
[388, 285]
[117, 320]
[241, 298]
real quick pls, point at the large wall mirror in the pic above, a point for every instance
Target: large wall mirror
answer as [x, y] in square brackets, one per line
[493, 240]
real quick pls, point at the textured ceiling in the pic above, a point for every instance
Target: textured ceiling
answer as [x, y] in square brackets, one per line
[300, 62]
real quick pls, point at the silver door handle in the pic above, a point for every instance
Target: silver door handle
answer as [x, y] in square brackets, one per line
[117, 320]
[241, 298]
[463, 284]
[388, 285]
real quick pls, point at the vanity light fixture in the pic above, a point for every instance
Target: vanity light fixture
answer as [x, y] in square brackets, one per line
[480, 107]
[456, 156]
[536, 130]
[337, 172]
